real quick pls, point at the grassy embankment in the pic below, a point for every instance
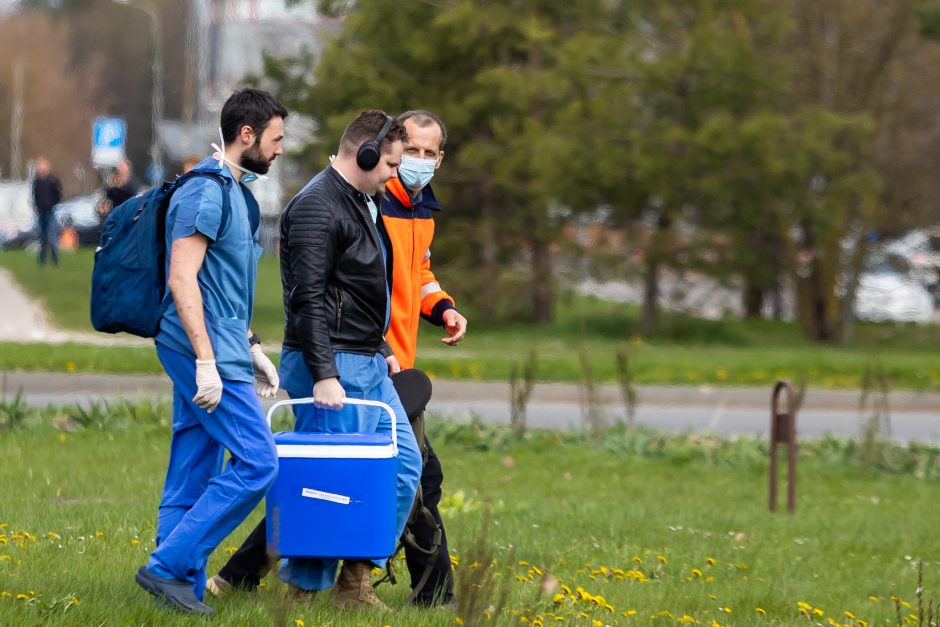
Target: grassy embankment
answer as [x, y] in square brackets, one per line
[684, 350]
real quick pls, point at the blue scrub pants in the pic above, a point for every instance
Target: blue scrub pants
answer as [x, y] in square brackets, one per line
[366, 378]
[200, 505]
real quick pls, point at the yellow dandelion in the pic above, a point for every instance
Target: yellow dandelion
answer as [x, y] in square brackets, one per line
[849, 614]
[726, 610]
[53, 535]
[73, 601]
[61, 437]
[761, 611]
[630, 613]
[685, 618]
[298, 622]
[661, 558]
[711, 561]
[872, 598]
[21, 597]
[5, 594]
[70, 366]
[231, 549]
[558, 598]
[99, 534]
[565, 589]
[696, 572]
[818, 612]
[135, 541]
[596, 623]
[637, 560]
[458, 621]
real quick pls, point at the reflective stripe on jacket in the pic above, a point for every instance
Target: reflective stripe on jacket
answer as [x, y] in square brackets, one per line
[415, 291]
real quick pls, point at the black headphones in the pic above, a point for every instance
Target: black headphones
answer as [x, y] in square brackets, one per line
[367, 157]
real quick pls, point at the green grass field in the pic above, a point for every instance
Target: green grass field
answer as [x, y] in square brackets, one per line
[626, 530]
[684, 350]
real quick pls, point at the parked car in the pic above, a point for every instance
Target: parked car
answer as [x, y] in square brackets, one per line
[890, 291]
[78, 212]
[81, 215]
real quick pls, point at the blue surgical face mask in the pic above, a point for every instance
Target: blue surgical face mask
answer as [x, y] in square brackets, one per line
[416, 173]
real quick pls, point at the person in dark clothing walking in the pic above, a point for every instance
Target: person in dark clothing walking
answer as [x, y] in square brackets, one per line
[122, 185]
[47, 193]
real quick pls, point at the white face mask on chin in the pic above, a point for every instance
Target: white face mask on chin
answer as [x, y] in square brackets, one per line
[247, 175]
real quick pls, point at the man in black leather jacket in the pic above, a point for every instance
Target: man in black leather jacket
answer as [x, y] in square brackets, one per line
[336, 269]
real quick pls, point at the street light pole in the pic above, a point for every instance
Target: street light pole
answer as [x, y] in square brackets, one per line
[156, 158]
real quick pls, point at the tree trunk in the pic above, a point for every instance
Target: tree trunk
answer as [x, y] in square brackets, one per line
[543, 292]
[650, 294]
[655, 255]
[753, 300]
[489, 268]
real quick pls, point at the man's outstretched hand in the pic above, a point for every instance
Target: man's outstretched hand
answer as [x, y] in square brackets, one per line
[456, 327]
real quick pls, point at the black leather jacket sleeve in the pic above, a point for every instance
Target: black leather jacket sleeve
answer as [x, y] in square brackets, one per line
[312, 237]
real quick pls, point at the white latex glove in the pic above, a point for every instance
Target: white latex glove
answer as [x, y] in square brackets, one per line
[266, 379]
[208, 385]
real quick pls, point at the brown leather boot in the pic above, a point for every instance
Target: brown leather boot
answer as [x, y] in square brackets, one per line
[353, 589]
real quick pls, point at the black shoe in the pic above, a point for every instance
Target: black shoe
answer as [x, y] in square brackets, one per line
[175, 593]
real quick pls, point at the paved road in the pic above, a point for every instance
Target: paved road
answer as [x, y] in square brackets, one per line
[730, 411]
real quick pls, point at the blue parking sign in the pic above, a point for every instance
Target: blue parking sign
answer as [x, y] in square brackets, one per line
[108, 138]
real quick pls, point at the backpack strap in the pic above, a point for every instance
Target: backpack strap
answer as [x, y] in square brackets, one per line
[218, 178]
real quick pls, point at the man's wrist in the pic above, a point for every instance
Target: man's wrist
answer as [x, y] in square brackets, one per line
[254, 340]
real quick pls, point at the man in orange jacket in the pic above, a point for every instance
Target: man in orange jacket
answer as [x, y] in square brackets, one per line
[407, 210]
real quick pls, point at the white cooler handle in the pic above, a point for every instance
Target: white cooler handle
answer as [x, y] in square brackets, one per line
[350, 401]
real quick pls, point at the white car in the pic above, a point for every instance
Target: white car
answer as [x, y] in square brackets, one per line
[889, 291]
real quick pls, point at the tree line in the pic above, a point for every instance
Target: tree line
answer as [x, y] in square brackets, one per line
[751, 140]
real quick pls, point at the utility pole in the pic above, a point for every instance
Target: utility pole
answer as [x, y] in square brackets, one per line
[156, 93]
[16, 120]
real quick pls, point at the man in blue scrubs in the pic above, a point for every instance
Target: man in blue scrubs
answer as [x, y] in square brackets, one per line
[207, 348]
[336, 268]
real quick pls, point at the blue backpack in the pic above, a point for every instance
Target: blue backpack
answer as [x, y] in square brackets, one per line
[128, 282]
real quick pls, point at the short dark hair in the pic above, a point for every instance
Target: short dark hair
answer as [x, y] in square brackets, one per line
[251, 107]
[367, 126]
[424, 119]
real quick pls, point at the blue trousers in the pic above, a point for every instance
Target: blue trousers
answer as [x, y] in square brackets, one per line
[202, 504]
[48, 238]
[366, 378]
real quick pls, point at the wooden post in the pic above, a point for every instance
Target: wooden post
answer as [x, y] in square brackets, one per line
[783, 431]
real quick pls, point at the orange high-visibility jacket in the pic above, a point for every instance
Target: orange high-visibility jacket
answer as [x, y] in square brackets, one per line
[416, 293]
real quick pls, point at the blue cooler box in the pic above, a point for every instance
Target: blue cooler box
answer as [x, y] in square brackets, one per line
[335, 494]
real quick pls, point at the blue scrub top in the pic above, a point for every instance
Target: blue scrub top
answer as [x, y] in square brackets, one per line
[228, 273]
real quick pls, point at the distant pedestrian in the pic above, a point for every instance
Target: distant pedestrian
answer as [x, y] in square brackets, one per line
[189, 163]
[121, 185]
[47, 193]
